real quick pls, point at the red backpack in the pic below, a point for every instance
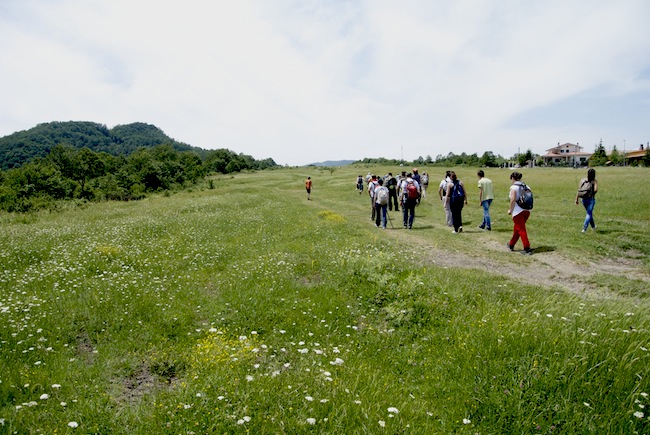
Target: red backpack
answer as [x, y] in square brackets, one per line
[412, 191]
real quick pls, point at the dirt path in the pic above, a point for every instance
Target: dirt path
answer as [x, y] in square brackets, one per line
[546, 268]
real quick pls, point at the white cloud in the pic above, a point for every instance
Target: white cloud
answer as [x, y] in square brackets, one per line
[308, 81]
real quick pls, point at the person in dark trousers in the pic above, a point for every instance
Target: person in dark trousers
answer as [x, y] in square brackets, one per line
[587, 190]
[372, 184]
[391, 184]
[380, 209]
[360, 184]
[456, 198]
[308, 187]
[410, 191]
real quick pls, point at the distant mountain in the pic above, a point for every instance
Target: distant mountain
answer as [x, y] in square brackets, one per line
[333, 163]
[23, 146]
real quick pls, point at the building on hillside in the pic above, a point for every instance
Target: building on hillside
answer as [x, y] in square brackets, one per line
[566, 155]
[635, 156]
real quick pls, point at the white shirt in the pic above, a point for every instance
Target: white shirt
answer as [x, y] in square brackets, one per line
[443, 186]
[516, 187]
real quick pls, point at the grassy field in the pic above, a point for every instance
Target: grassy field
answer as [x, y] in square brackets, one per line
[248, 309]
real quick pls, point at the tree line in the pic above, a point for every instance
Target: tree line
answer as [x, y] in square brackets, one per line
[600, 157]
[487, 159]
[68, 173]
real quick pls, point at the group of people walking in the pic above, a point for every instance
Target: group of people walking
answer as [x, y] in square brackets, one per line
[392, 192]
[406, 190]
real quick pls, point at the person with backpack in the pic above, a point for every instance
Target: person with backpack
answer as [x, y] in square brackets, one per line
[456, 198]
[308, 188]
[424, 184]
[360, 184]
[442, 193]
[381, 197]
[410, 190]
[587, 190]
[391, 184]
[520, 206]
[372, 184]
[485, 197]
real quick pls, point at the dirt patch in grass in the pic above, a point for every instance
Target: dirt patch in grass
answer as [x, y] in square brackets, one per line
[546, 267]
[145, 380]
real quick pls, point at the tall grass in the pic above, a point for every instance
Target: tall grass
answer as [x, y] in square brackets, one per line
[246, 308]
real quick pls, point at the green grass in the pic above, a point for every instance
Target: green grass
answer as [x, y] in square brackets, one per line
[246, 308]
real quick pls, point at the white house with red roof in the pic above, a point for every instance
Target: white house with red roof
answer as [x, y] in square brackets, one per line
[567, 154]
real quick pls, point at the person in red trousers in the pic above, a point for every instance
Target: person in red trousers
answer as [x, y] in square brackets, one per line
[519, 215]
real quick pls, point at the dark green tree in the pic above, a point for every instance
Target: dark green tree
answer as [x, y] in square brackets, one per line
[488, 159]
[599, 157]
[615, 157]
[524, 158]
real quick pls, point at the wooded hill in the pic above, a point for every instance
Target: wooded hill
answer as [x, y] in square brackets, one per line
[23, 146]
[86, 161]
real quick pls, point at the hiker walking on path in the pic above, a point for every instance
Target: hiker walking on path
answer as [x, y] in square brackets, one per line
[381, 203]
[360, 184]
[485, 197]
[442, 193]
[456, 198]
[416, 176]
[372, 184]
[410, 190]
[587, 190]
[308, 188]
[391, 184]
[424, 185]
[519, 215]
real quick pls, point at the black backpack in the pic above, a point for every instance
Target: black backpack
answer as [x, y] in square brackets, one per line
[525, 197]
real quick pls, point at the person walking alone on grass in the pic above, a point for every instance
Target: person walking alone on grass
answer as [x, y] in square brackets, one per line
[308, 187]
[587, 191]
[360, 184]
[519, 215]
[381, 198]
[442, 193]
[456, 198]
[485, 197]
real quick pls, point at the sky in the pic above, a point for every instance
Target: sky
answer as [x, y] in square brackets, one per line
[305, 81]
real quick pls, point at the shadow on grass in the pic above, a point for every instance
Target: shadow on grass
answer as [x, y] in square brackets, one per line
[541, 249]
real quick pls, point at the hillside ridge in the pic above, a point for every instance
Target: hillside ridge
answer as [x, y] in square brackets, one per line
[20, 147]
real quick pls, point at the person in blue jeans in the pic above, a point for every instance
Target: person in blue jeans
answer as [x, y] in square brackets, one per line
[485, 197]
[587, 190]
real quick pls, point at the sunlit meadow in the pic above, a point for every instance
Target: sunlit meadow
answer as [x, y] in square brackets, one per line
[247, 309]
